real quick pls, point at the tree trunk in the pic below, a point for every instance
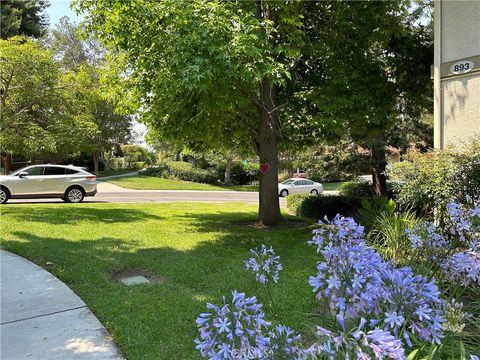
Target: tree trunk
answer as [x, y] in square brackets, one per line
[228, 170]
[6, 159]
[379, 164]
[269, 205]
[96, 156]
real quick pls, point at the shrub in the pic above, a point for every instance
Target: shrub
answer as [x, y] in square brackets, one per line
[283, 176]
[181, 171]
[135, 153]
[137, 165]
[356, 189]
[241, 174]
[334, 163]
[185, 171]
[317, 207]
[429, 181]
[372, 208]
[85, 160]
[364, 189]
[116, 163]
[160, 170]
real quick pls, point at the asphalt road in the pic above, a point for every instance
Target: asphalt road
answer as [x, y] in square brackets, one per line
[148, 196]
[108, 193]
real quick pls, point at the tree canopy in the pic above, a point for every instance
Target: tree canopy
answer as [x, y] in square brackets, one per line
[367, 74]
[204, 71]
[23, 17]
[264, 73]
[40, 110]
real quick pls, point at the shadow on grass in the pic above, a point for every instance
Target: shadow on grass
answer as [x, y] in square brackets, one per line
[245, 221]
[157, 321]
[75, 214]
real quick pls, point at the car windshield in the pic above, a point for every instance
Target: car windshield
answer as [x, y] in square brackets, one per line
[288, 182]
[16, 172]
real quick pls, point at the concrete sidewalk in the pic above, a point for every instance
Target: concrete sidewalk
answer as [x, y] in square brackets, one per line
[41, 318]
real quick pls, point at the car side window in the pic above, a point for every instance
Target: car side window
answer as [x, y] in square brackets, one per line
[38, 170]
[53, 170]
[298, 183]
[308, 182]
[70, 171]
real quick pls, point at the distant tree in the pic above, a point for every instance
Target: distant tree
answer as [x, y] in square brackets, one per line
[28, 92]
[38, 110]
[107, 128]
[71, 48]
[83, 58]
[366, 69]
[23, 17]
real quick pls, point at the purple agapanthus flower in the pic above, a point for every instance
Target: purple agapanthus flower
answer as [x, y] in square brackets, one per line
[427, 241]
[350, 278]
[285, 344]
[265, 264]
[463, 267]
[358, 283]
[334, 232]
[365, 344]
[234, 330]
[412, 305]
[463, 220]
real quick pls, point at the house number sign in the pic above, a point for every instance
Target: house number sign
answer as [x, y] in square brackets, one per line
[462, 67]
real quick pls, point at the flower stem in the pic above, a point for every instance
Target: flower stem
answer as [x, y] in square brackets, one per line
[272, 301]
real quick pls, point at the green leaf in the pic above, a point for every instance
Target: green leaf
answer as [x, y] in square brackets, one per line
[413, 355]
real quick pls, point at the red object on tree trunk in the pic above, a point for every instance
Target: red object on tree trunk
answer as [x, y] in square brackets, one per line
[264, 168]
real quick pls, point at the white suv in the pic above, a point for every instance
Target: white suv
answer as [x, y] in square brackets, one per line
[70, 183]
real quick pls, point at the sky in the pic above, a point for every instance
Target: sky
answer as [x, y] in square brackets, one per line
[59, 8]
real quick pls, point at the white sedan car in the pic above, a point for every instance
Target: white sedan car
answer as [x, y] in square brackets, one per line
[70, 183]
[299, 185]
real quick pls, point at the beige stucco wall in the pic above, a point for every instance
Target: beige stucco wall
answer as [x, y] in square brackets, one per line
[461, 110]
[461, 29]
[456, 97]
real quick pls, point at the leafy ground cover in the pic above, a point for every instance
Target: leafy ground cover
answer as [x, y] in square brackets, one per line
[198, 249]
[155, 183]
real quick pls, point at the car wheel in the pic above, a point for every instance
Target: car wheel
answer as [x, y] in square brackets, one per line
[284, 193]
[74, 195]
[4, 195]
[314, 192]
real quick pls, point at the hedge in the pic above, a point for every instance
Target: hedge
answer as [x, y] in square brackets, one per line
[317, 207]
[357, 189]
[181, 170]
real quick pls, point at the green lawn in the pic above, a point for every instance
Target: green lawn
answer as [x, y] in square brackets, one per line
[329, 186]
[155, 183]
[106, 173]
[197, 248]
